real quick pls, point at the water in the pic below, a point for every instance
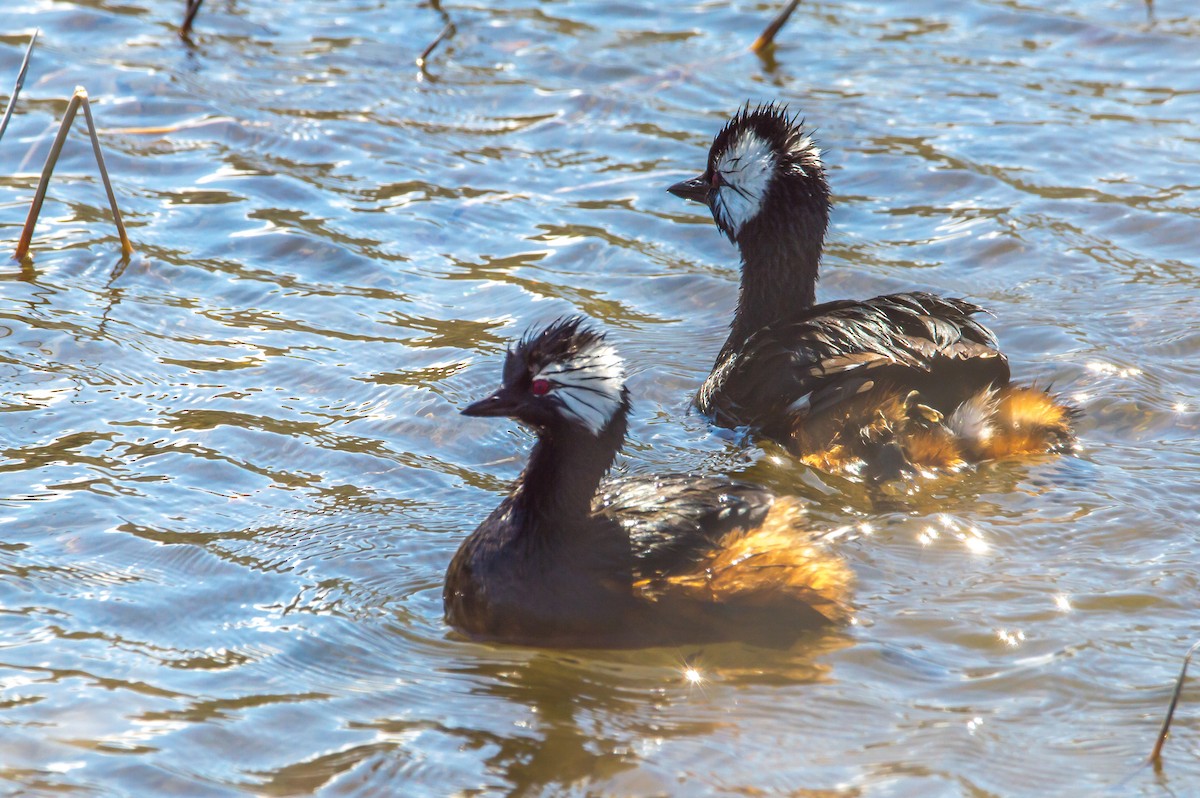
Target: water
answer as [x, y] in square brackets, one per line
[233, 469]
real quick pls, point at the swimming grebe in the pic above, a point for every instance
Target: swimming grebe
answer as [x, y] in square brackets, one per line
[566, 560]
[896, 384]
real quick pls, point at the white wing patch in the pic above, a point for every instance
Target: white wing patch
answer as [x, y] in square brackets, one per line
[747, 168]
[972, 420]
[588, 385]
[800, 407]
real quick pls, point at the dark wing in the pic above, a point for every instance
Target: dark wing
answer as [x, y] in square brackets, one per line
[675, 520]
[832, 351]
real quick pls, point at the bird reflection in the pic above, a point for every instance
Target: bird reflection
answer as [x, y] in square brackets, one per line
[564, 695]
[596, 716]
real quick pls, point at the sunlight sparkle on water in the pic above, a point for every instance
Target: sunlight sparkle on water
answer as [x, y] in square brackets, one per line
[1011, 639]
[64, 767]
[1098, 367]
[975, 544]
[1062, 602]
[692, 675]
[839, 532]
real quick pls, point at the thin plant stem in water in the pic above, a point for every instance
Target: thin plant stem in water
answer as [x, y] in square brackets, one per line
[1156, 755]
[12, 101]
[767, 37]
[189, 16]
[80, 97]
[446, 31]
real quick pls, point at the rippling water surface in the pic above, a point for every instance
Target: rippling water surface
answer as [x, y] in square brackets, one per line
[234, 471]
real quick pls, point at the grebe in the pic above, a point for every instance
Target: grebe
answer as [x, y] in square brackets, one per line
[568, 560]
[897, 384]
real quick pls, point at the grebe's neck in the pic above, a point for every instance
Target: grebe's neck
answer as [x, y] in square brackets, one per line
[781, 259]
[564, 471]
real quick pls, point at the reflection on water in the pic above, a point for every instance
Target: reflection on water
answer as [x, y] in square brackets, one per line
[234, 472]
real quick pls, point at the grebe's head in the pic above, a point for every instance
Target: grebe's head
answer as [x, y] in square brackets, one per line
[562, 374]
[760, 166]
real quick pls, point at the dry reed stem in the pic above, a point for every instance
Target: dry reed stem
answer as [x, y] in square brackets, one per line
[126, 247]
[767, 37]
[1156, 754]
[446, 31]
[12, 102]
[79, 98]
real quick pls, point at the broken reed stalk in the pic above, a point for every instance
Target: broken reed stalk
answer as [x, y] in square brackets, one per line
[189, 16]
[126, 247]
[1156, 754]
[767, 37]
[80, 97]
[446, 31]
[12, 101]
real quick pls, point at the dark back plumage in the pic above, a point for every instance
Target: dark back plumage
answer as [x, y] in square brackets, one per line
[673, 519]
[919, 341]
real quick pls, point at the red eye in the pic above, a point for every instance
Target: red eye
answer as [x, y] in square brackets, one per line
[539, 387]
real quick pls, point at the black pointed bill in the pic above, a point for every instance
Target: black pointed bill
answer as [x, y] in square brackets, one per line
[500, 404]
[693, 189]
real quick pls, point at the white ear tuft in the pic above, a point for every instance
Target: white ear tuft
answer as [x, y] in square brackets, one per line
[745, 170]
[588, 385]
[805, 154]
